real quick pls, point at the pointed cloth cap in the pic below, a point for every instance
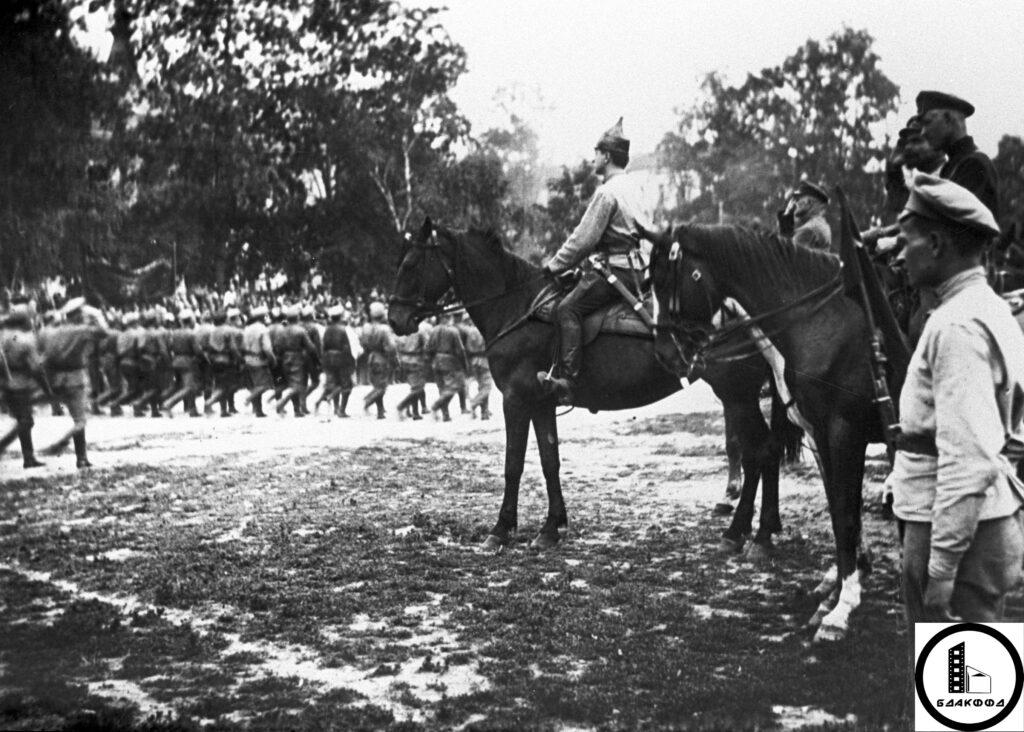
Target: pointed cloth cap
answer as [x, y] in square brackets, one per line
[929, 100]
[613, 140]
[378, 311]
[943, 200]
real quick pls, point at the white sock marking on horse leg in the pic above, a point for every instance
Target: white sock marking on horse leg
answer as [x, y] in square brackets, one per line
[849, 600]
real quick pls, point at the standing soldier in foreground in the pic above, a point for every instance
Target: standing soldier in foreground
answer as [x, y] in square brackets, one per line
[66, 358]
[956, 495]
[21, 371]
[259, 358]
[186, 354]
[339, 365]
[378, 343]
[447, 357]
[479, 371]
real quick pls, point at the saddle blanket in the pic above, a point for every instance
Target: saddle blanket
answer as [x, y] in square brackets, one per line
[618, 318]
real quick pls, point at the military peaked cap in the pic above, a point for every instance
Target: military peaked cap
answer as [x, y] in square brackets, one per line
[806, 188]
[943, 200]
[929, 100]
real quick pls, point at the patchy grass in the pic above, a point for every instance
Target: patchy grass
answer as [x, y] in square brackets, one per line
[343, 590]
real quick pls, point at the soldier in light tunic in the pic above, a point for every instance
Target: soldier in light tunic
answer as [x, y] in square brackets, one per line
[611, 230]
[956, 495]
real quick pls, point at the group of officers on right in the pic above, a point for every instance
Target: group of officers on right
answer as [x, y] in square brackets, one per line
[956, 483]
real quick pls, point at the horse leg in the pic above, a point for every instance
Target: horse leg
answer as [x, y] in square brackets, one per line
[734, 454]
[844, 477]
[517, 426]
[761, 547]
[545, 428]
[749, 433]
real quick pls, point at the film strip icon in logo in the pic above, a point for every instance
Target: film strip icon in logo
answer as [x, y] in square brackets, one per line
[957, 668]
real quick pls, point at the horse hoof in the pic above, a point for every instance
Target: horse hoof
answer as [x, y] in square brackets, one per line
[729, 547]
[829, 634]
[732, 491]
[722, 509]
[815, 620]
[493, 545]
[760, 554]
[544, 541]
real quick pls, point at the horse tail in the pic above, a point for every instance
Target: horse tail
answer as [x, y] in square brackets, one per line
[788, 435]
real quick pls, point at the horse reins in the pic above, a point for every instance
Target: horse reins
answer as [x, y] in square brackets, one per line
[710, 338]
[423, 309]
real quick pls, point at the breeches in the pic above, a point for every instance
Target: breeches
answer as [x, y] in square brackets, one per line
[989, 569]
[260, 377]
[187, 378]
[448, 373]
[75, 399]
[380, 370]
[590, 294]
[415, 373]
[337, 377]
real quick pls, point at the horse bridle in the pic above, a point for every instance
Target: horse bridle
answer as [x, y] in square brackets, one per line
[707, 336]
[422, 308]
[420, 305]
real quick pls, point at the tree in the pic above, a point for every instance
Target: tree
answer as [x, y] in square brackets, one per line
[52, 94]
[285, 129]
[812, 116]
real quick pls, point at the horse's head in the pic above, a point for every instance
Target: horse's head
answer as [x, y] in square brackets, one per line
[686, 300]
[425, 276]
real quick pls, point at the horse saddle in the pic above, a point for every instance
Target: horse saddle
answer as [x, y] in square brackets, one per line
[618, 318]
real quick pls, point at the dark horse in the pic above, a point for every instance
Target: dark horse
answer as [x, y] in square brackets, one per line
[497, 289]
[795, 296]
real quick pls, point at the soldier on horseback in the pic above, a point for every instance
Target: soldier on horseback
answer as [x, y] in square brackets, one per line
[607, 231]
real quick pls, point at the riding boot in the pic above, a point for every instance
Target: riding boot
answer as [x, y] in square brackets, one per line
[380, 406]
[81, 460]
[344, 403]
[485, 411]
[28, 455]
[462, 401]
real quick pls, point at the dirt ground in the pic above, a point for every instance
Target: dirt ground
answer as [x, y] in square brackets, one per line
[322, 573]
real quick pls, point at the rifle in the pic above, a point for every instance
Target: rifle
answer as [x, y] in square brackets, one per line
[849, 241]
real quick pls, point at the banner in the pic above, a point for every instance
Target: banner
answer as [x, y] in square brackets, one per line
[112, 285]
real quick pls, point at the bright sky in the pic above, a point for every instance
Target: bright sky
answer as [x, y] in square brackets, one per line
[594, 60]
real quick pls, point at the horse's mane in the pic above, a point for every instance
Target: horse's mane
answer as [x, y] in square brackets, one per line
[740, 252]
[513, 266]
